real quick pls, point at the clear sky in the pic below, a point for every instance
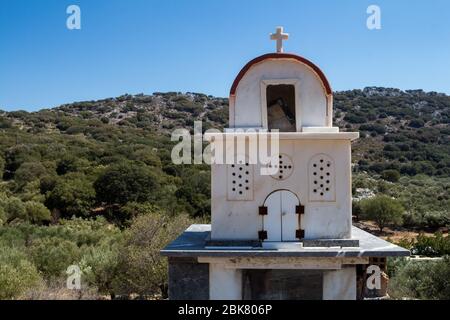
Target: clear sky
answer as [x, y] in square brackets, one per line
[134, 46]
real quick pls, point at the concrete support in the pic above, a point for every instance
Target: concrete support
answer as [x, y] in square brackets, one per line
[340, 284]
[188, 279]
[224, 283]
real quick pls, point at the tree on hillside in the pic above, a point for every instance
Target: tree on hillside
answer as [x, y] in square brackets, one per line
[69, 164]
[37, 212]
[72, 196]
[126, 182]
[195, 193]
[13, 208]
[383, 210]
[390, 175]
[29, 171]
[2, 167]
[16, 155]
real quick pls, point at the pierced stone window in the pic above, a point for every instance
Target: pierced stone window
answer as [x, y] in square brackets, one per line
[240, 181]
[284, 167]
[321, 178]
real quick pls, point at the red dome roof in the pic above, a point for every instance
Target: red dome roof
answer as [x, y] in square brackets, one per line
[269, 56]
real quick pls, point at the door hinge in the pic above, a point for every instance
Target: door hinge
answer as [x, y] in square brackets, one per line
[300, 234]
[262, 235]
[300, 209]
[263, 211]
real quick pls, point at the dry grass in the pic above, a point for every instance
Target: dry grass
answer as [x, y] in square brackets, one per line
[394, 234]
[57, 290]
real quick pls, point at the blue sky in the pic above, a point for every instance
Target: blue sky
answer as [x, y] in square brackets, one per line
[134, 46]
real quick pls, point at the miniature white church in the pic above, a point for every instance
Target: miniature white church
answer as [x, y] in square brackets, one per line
[287, 235]
[289, 93]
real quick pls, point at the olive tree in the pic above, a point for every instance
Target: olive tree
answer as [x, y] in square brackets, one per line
[383, 210]
[142, 270]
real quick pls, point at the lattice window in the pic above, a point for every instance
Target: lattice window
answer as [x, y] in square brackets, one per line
[240, 181]
[284, 167]
[321, 178]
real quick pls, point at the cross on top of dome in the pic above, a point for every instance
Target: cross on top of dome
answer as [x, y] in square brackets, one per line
[279, 36]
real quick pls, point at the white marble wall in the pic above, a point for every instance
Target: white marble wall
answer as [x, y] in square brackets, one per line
[239, 220]
[340, 284]
[224, 283]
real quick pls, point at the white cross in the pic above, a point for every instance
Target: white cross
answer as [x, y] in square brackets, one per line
[279, 36]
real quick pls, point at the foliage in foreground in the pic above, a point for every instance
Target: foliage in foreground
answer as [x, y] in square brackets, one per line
[17, 273]
[430, 246]
[428, 280]
[34, 259]
[143, 269]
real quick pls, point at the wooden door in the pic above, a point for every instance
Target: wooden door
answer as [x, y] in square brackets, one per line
[281, 221]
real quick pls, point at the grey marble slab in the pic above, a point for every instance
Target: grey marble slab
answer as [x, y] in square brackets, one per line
[193, 243]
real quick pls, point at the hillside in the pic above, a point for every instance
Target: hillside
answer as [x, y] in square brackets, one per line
[403, 130]
[403, 133]
[92, 184]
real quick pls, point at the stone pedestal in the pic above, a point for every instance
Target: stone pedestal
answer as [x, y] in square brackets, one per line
[201, 272]
[188, 279]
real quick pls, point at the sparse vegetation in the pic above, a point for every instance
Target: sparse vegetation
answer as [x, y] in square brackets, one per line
[421, 280]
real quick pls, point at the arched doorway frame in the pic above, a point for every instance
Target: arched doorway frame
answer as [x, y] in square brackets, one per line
[282, 221]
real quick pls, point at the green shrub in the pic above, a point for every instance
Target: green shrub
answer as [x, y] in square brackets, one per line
[390, 175]
[14, 208]
[437, 245]
[2, 163]
[431, 246]
[29, 171]
[52, 256]
[353, 118]
[89, 232]
[36, 212]
[383, 210]
[17, 273]
[416, 123]
[142, 270]
[422, 218]
[357, 210]
[12, 236]
[127, 182]
[377, 128]
[219, 115]
[70, 164]
[132, 210]
[3, 217]
[5, 123]
[99, 266]
[422, 280]
[72, 196]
